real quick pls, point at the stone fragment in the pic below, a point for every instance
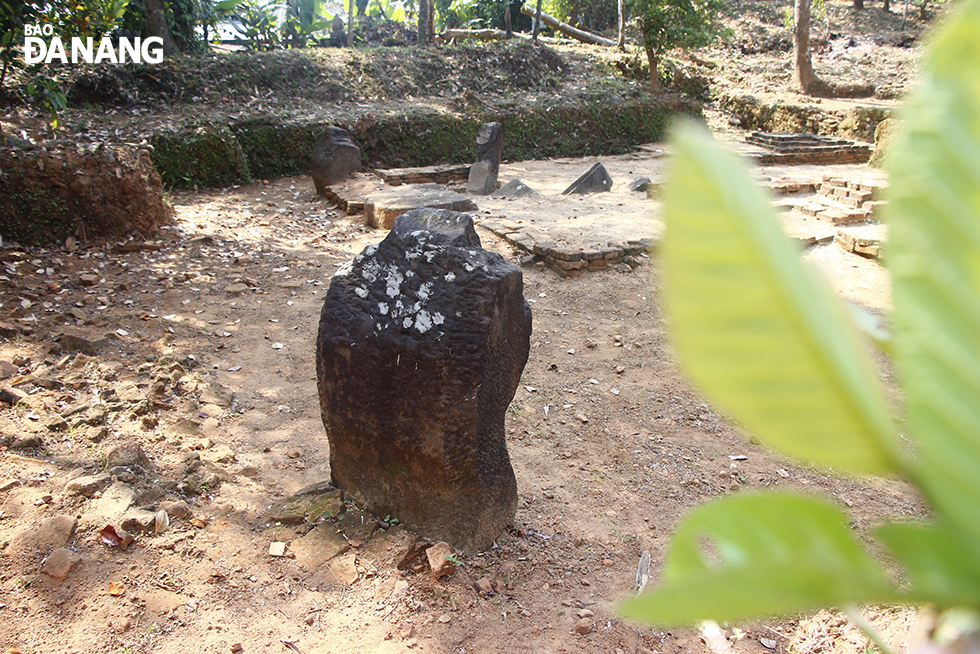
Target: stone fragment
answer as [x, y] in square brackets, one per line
[127, 454]
[583, 626]
[307, 506]
[26, 442]
[421, 345]
[489, 146]
[52, 533]
[483, 585]
[319, 545]
[60, 563]
[595, 180]
[221, 454]
[7, 369]
[358, 525]
[11, 395]
[73, 343]
[115, 501]
[639, 185]
[512, 190]
[343, 568]
[88, 485]
[56, 423]
[236, 289]
[138, 521]
[334, 158]
[177, 509]
[441, 559]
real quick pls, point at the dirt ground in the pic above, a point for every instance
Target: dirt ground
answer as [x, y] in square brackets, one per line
[197, 350]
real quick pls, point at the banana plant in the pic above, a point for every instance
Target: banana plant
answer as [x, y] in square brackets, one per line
[766, 339]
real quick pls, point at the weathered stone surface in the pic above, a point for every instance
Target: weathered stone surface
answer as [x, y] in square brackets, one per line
[128, 454]
[305, 506]
[52, 533]
[489, 146]
[334, 158]
[218, 395]
[60, 563]
[440, 558]
[115, 501]
[640, 184]
[319, 545]
[88, 485]
[381, 208]
[595, 180]
[177, 509]
[138, 521]
[421, 345]
[883, 138]
[514, 189]
[358, 525]
[102, 193]
[7, 369]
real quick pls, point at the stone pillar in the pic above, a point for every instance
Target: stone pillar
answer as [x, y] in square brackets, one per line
[420, 350]
[489, 147]
[334, 158]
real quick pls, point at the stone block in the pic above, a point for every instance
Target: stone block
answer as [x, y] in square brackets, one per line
[595, 180]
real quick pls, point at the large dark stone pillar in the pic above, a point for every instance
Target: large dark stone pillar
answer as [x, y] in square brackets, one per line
[421, 346]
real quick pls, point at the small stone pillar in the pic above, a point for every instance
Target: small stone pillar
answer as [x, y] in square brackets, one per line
[421, 346]
[489, 147]
[334, 158]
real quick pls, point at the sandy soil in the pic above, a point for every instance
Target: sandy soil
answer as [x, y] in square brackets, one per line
[609, 443]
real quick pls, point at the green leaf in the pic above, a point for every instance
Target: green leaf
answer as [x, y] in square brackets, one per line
[934, 232]
[942, 568]
[760, 554]
[763, 336]
[227, 5]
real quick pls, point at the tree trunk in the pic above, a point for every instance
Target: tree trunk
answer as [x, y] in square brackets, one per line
[423, 22]
[654, 72]
[350, 23]
[509, 30]
[565, 28]
[803, 75]
[922, 10]
[620, 40]
[886, 6]
[859, 5]
[537, 21]
[156, 25]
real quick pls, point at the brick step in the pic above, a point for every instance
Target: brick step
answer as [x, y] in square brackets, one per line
[425, 174]
[827, 209]
[866, 247]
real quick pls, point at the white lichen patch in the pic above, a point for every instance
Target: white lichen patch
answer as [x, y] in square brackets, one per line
[344, 270]
[361, 292]
[382, 308]
[370, 270]
[424, 291]
[450, 277]
[438, 318]
[394, 282]
[423, 321]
